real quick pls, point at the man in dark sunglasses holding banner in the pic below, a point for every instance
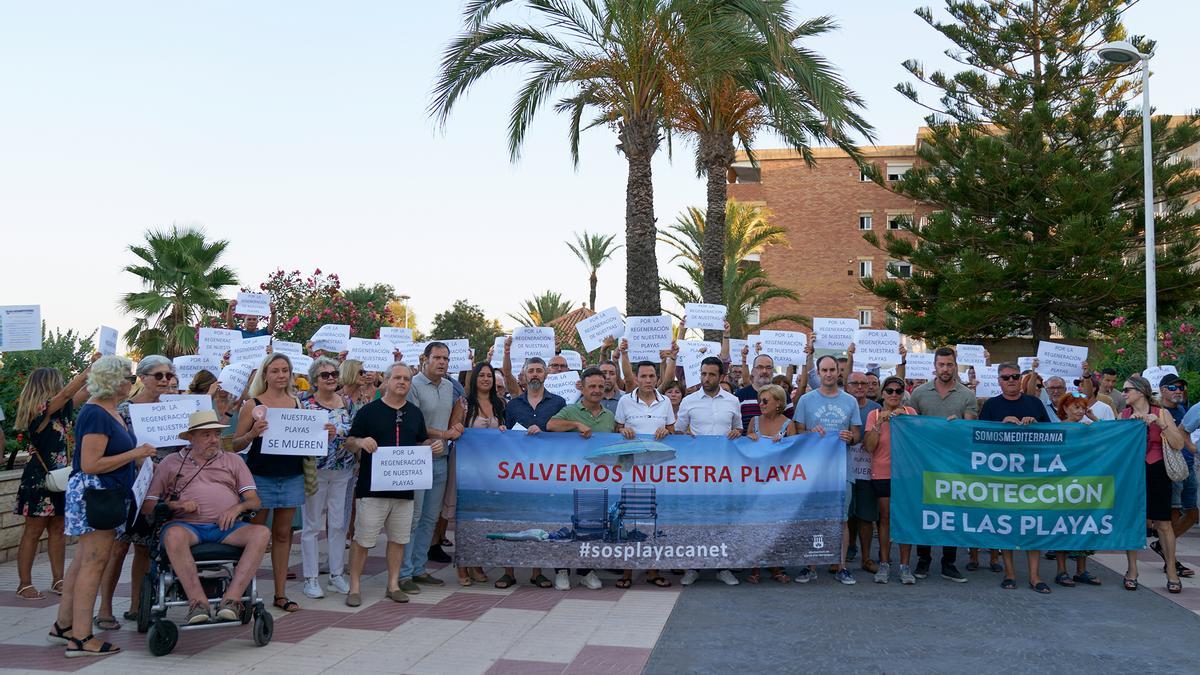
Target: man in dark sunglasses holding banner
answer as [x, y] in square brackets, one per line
[1172, 390]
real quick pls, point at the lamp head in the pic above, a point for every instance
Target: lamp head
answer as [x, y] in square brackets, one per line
[1120, 52]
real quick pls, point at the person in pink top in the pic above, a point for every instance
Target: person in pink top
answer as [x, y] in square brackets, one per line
[878, 442]
[208, 490]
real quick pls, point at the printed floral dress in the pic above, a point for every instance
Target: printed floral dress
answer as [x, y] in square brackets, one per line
[49, 449]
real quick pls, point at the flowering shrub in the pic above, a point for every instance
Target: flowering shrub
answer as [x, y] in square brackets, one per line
[305, 303]
[1178, 345]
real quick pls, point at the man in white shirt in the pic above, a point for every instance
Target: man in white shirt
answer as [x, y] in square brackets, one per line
[645, 412]
[710, 411]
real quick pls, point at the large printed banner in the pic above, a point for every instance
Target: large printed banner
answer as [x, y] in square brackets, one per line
[1036, 487]
[559, 500]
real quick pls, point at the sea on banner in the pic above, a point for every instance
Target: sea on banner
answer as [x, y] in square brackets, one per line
[1037, 487]
[559, 500]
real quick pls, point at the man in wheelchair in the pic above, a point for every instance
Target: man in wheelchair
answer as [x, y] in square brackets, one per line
[207, 491]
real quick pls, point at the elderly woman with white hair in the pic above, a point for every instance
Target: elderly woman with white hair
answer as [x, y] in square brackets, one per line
[97, 501]
[156, 374]
[325, 510]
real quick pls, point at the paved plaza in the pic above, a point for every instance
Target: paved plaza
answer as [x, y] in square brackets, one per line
[935, 626]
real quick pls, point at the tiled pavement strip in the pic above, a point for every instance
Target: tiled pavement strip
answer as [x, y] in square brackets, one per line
[449, 629]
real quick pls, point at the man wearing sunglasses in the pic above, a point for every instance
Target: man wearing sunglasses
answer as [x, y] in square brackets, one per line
[864, 505]
[1172, 390]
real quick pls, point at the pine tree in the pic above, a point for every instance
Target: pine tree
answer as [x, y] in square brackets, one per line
[1032, 171]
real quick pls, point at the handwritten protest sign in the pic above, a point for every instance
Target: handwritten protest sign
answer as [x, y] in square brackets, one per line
[187, 366]
[970, 355]
[159, 423]
[288, 348]
[532, 341]
[704, 316]
[989, 381]
[1065, 361]
[594, 329]
[217, 341]
[876, 346]
[250, 350]
[20, 328]
[735, 350]
[1155, 375]
[141, 484]
[402, 468]
[301, 363]
[376, 355]
[498, 352]
[295, 432]
[574, 359]
[564, 385]
[253, 304]
[692, 353]
[107, 342]
[396, 335]
[235, 376]
[460, 355]
[786, 347]
[860, 463]
[647, 336]
[836, 334]
[919, 366]
[412, 357]
[332, 337]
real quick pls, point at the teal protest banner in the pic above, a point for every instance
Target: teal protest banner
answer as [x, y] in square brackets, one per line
[1036, 487]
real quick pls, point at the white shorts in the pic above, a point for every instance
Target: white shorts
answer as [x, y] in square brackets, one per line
[375, 514]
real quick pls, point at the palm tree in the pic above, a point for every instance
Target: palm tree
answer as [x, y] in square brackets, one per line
[747, 286]
[542, 309]
[759, 78]
[182, 282]
[593, 250]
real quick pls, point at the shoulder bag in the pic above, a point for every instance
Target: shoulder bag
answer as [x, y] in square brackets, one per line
[1172, 457]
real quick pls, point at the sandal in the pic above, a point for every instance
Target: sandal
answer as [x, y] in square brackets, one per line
[58, 635]
[1086, 578]
[659, 581]
[1184, 570]
[105, 649]
[57, 587]
[624, 583]
[37, 595]
[479, 576]
[286, 605]
[972, 566]
[1009, 584]
[446, 543]
[130, 615]
[779, 576]
[1130, 584]
[465, 581]
[106, 623]
[996, 567]
[753, 578]
[505, 581]
[1064, 580]
[541, 581]
[1040, 587]
[1174, 586]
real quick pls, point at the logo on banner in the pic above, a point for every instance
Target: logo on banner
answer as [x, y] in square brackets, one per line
[818, 541]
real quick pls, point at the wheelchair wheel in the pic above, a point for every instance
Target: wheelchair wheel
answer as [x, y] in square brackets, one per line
[145, 604]
[162, 638]
[264, 627]
[247, 613]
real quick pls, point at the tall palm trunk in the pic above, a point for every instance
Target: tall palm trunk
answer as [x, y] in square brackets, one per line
[592, 293]
[716, 153]
[639, 141]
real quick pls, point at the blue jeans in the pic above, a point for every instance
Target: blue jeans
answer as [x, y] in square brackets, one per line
[427, 506]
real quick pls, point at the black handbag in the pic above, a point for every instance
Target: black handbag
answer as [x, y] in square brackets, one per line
[106, 508]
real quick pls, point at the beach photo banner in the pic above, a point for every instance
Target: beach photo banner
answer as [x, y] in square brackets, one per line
[1035, 487]
[559, 500]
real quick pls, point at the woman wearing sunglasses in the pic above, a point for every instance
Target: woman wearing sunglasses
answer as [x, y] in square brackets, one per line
[771, 423]
[878, 442]
[1073, 408]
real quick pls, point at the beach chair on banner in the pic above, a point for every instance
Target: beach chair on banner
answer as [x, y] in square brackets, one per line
[638, 503]
[590, 519]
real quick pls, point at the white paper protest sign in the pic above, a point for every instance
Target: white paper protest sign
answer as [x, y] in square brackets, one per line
[301, 364]
[396, 335]
[532, 341]
[159, 423]
[296, 432]
[407, 467]
[20, 328]
[704, 316]
[564, 385]
[288, 348]
[253, 304]
[376, 355]
[1155, 375]
[412, 357]
[250, 350]
[217, 341]
[876, 346]
[860, 463]
[648, 336]
[201, 401]
[235, 376]
[186, 367]
[735, 350]
[497, 361]
[460, 355]
[786, 347]
[141, 484]
[989, 381]
[919, 366]
[1065, 361]
[1025, 362]
[332, 337]
[692, 353]
[594, 329]
[574, 359]
[107, 342]
[970, 355]
[834, 334]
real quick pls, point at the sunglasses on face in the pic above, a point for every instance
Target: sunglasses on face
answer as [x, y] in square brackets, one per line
[131, 378]
[1126, 390]
[160, 376]
[1076, 394]
[1013, 378]
[1174, 387]
[893, 391]
[328, 375]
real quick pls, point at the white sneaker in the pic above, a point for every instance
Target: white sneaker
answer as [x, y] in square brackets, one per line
[689, 577]
[881, 577]
[339, 584]
[727, 577]
[562, 580]
[312, 588]
[590, 580]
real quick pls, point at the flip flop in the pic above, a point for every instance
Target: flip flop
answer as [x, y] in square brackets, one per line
[624, 583]
[465, 581]
[56, 587]
[505, 581]
[106, 623]
[753, 578]
[1086, 578]
[129, 616]
[37, 595]
[541, 581]
[1064, 580]
[1009, 584]
[281, 602]
[1040, 587]
[659, 581]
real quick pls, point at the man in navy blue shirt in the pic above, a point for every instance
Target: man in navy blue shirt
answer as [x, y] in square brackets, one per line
[535, 406]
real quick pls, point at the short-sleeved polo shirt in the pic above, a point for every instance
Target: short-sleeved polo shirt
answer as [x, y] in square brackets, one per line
[605, 422]
[645, 418]
[927, 401]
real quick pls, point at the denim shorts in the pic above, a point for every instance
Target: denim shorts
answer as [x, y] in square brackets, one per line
[1183, 493]
[207, 533]
[280, 492]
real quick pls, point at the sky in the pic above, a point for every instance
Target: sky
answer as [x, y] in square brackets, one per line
[298, 131]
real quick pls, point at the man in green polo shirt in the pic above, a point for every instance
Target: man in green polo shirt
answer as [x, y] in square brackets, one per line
[586, 416]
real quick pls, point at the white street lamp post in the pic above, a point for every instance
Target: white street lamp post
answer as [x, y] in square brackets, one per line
[404, 299]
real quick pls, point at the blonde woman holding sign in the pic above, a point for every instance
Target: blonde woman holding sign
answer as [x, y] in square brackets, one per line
[279, 478]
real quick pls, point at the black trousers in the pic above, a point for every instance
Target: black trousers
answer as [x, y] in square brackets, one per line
[949, 554]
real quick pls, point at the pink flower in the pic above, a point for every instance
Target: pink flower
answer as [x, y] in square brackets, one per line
[1168, 342]
[1118, 322]
[1186, 328]
[1121, 350]
[318, 271]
